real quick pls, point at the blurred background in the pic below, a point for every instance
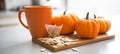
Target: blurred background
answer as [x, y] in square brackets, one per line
[9, 8]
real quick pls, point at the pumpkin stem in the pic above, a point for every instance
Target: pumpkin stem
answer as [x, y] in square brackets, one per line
[64, 12]
[87, 16]
[94, 16]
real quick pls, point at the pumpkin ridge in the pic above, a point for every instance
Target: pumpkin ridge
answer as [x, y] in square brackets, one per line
[96, 28]
[86, 26]
[74, 17]
[103, 26]
[78, 27]
[106, 25]
[91, 27]
[109, 25]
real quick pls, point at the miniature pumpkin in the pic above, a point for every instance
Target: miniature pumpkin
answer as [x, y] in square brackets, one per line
[105, 24]
[67, 20]
[87, 28]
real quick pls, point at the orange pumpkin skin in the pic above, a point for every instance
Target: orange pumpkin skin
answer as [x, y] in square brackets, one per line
[87, 28]
[66, 21]
[74, 17]
[105, 24]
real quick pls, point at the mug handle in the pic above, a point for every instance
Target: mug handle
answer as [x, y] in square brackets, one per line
[20, 19]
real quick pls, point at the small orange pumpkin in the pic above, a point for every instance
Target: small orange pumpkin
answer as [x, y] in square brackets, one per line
[87, 28]
[105, 24]
[67, 20]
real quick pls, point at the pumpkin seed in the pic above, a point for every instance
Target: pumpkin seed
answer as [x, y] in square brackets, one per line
[43, 50]
[74, 49]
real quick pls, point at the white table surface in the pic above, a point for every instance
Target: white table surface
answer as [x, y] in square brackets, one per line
[17, 40]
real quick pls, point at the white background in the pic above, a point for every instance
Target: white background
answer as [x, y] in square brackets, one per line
[99, 7]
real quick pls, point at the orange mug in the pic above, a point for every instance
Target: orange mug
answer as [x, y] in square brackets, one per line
[36, 17]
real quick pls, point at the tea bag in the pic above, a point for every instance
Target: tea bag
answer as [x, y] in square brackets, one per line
[53, 30]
